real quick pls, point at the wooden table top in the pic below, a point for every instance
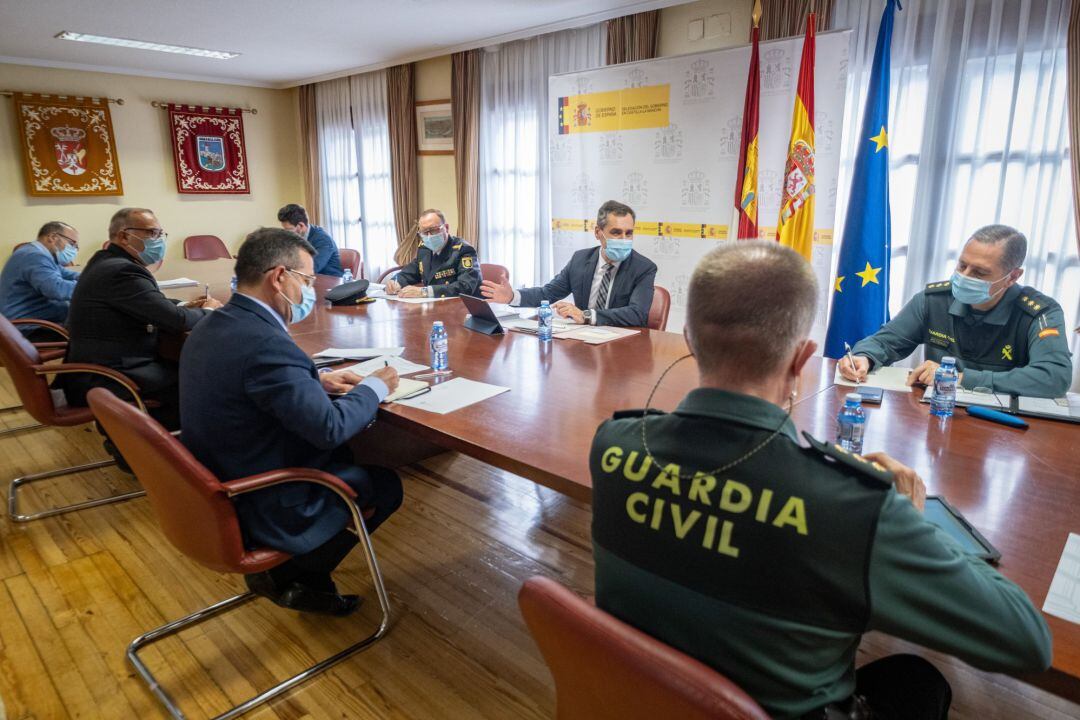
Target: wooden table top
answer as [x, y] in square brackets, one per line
[1020, 488]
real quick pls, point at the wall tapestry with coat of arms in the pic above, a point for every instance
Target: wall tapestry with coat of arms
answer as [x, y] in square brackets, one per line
[68, 145]
[208, 149]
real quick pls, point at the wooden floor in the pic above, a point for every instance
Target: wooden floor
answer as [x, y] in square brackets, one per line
[75, 589]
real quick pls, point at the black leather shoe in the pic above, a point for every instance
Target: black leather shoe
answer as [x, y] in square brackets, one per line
[115, 453]
[304, 599]
[263, 585]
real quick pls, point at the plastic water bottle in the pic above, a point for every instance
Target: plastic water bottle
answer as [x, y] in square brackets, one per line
[544, 319]
[232, 283]
[440, 357]
[851, 423]
[944, 399]
[347, 277]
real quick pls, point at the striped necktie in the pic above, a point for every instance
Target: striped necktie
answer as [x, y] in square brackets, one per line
[605, 287]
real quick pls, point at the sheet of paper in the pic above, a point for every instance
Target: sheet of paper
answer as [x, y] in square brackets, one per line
[557, 328]
[998, 401]
[453, 395]
[504, 311]
[1063, 598]
[888, 378]
[177, 283]
[1066, 407]
[406, 387]
[597, 334]
[403, 366]
[413, 301]
[359, 352]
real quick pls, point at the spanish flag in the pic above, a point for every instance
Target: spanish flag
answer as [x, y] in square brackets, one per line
[796, 226]
[746, 200]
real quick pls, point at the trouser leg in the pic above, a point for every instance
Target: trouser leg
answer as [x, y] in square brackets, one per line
[904, 687]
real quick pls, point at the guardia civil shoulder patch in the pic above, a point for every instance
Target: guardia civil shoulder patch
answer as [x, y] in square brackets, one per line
[1049, 332]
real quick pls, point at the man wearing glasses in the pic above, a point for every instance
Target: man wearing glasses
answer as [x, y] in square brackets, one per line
[117, 313]
[36, 282]
[445, 265]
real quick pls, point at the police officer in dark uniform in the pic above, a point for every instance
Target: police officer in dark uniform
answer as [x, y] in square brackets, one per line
[445, 265]
[1005, 337]
[717, 531]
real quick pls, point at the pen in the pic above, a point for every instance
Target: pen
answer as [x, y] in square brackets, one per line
[851, 359]
[206, 288]
[386, 363]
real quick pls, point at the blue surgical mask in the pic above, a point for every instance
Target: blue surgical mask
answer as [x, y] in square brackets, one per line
[303, 308]
[153, 251]
[618, 250]
[434, 242]
[972, 291]
[66, 255]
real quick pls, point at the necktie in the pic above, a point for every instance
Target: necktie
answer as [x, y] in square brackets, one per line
[605, 287]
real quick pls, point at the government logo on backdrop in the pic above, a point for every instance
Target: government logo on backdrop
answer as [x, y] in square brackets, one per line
[668, 144]
[583, 192]
[611, 148]
[637, 78]
[776, 71]
[700, 82]
[635, 190]
[562, 152]
[728, 137]
[696, 191]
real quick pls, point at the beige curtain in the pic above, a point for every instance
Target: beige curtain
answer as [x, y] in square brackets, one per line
[465, 96]
[633, 37]
[784, 18]
[1073, 69]
[401, 104]
[310, 158]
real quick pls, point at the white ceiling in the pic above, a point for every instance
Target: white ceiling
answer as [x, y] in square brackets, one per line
[283, 42]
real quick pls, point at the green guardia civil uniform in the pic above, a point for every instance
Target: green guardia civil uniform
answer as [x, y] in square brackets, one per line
[1018, 347]
[771, 571]
[452, 271]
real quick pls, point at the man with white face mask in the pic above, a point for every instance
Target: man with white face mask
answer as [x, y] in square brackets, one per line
[252, 402]
[445, 265]
[1005, 337]
[611, 284]
[36, 282]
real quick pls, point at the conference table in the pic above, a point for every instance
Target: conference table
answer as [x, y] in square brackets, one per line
[1019, 488]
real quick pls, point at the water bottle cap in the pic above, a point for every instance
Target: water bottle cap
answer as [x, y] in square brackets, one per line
[854, 398]
[543, 303]
[438, 323]
[948, 360]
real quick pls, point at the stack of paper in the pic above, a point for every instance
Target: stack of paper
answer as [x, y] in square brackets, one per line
[1063, 598]
[1064, 407]
[403, 366]
[998, 401]
[529, 326]
[597, 334]
[176, 283]
[350, 353]
[453, 395]
[887, 378]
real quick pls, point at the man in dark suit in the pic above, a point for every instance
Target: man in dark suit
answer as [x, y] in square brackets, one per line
[445, 265]
[117, 313]
[327, 259]
[611, 284]
[252, 401]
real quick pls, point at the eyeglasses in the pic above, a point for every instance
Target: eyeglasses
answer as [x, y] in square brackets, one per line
[74, 243]
[155, 233]
[421, 232]
[309, 280]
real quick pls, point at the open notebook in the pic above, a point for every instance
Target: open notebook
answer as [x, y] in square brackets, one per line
[407, 387]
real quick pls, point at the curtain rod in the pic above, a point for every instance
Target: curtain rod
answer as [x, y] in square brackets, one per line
[163, 105]
[13, 93]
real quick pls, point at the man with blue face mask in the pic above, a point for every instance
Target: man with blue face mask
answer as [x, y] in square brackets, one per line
[1006, 337]
[611, 284]
[445, 265]
[118, 313]
[253, 402]
[36, 282]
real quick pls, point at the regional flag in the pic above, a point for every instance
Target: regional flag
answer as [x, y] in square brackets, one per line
[746, 183]
[796, 226]
[860, 302]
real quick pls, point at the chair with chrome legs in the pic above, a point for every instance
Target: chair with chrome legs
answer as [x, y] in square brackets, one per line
[47, 351]
[197, 516]
[30, 376]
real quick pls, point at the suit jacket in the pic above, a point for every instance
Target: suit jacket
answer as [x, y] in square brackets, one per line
[453, 271]
[117, 313]
[327, 259]
[630, 296]
[34, 285]
[251, 401]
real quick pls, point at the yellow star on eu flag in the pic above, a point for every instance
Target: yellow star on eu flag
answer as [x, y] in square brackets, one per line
[839, 279]
[881, 140]
[869, 275]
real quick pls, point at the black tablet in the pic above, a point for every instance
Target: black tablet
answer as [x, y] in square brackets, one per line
[949, 519]
[481, 317]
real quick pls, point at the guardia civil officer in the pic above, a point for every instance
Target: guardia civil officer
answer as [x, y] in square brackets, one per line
[445, 265]
[1005, 337]
[717, 531]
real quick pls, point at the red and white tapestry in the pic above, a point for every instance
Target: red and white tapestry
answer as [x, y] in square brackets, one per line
[208, 149]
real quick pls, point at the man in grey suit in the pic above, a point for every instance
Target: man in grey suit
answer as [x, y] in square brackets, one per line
[611, 284]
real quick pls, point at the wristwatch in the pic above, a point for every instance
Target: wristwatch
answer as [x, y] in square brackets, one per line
[588, 315]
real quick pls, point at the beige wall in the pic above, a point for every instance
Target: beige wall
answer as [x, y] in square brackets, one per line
[674, 26]
[438, 185]
[146, 164]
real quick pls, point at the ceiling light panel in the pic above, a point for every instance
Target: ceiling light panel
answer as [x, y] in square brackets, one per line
[143, 45]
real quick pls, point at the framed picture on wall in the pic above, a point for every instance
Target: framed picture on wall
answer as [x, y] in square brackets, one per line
[435, 127]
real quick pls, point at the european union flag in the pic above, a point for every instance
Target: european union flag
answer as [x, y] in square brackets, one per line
[860, 301]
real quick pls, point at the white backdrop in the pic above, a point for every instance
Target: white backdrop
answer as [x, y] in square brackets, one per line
[684, 174]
